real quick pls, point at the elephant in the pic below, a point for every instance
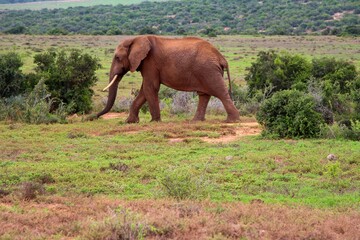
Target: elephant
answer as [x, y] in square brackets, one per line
[184, 64]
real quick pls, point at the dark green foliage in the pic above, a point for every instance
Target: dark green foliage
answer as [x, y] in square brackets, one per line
[16, 30]
[21, 1]
[334, 83]
[274, 72]
[209, 17]
[11, 77]
[339, 84]
[69, 77]
[290, 114]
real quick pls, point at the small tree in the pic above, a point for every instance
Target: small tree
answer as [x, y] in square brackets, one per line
[69, 77]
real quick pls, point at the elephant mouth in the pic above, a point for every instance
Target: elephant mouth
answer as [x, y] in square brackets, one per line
[111, 83]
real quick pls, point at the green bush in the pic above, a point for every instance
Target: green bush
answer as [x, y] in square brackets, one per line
[273, 72]
[11, 77]
[69, 77]
[339, 84]
[290, 114]
[334, 84]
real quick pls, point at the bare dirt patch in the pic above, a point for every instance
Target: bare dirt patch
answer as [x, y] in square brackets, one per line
[244, 129]
[211, 131]
[113, 115]
[93, 218]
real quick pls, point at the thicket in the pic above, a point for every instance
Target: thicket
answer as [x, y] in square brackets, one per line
[208, 17]
[291, 91]
[61, 85]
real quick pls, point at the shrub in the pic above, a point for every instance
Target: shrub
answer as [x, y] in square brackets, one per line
[30, 190]
[339, 84]
[69, 77]
[11, 76]
[341, 131]
[181, 184]
[32, 108]
[273, 72]
[290, 113]
[121, 224]
[215, 107]
[183, 102]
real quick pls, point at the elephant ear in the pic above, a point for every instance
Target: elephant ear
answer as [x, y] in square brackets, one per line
[139, 49]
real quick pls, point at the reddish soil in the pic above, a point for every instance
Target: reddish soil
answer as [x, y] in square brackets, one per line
[180, 131]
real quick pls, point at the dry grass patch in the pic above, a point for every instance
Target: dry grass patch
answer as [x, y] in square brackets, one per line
[103, 218]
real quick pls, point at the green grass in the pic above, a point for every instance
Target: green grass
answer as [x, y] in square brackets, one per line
[65, 4]
[81, 156]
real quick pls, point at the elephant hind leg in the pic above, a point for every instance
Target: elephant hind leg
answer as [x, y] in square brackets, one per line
[232, 113]
[201, 108]
[219, 90]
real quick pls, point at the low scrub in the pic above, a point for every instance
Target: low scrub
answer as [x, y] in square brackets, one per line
[182, 184]
[349, 131]
[32, 108]
[122, 224]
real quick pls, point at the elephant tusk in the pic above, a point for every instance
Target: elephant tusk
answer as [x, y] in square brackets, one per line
[111, 83]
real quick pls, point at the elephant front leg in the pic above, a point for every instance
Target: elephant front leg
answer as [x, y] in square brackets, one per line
[154, 106]
[201, 108]
[135, 107]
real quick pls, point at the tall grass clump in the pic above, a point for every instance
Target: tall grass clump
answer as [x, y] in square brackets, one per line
[34, 108]
[121, 224]
[182, 183]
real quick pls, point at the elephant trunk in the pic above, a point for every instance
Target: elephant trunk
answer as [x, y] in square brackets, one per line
[113, 86]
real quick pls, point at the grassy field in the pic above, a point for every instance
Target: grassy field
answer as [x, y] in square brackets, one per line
[240, 52]
[176, 179]
[65, 4]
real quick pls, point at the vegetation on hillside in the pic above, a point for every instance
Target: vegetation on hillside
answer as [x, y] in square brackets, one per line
[209, 17]
[21, 1]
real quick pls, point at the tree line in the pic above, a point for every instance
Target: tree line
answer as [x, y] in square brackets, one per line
[209, 17]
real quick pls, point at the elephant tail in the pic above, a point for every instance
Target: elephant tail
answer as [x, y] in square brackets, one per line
[225, 65]
[228, 75]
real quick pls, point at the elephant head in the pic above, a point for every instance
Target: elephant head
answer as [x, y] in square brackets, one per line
[127, 57]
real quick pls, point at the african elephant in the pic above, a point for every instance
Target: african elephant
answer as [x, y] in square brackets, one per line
[185, 64]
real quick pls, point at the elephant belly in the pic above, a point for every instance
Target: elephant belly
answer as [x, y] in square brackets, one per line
[181, 82]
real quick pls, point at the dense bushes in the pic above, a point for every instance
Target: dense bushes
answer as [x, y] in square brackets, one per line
[274, 72]
[69, 77]
[60, 85]
[285, 84]
[290, 113]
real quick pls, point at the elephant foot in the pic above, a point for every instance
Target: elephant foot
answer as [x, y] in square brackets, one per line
[155, 120]
[233, 119]
[198, 119]
[132, 120]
